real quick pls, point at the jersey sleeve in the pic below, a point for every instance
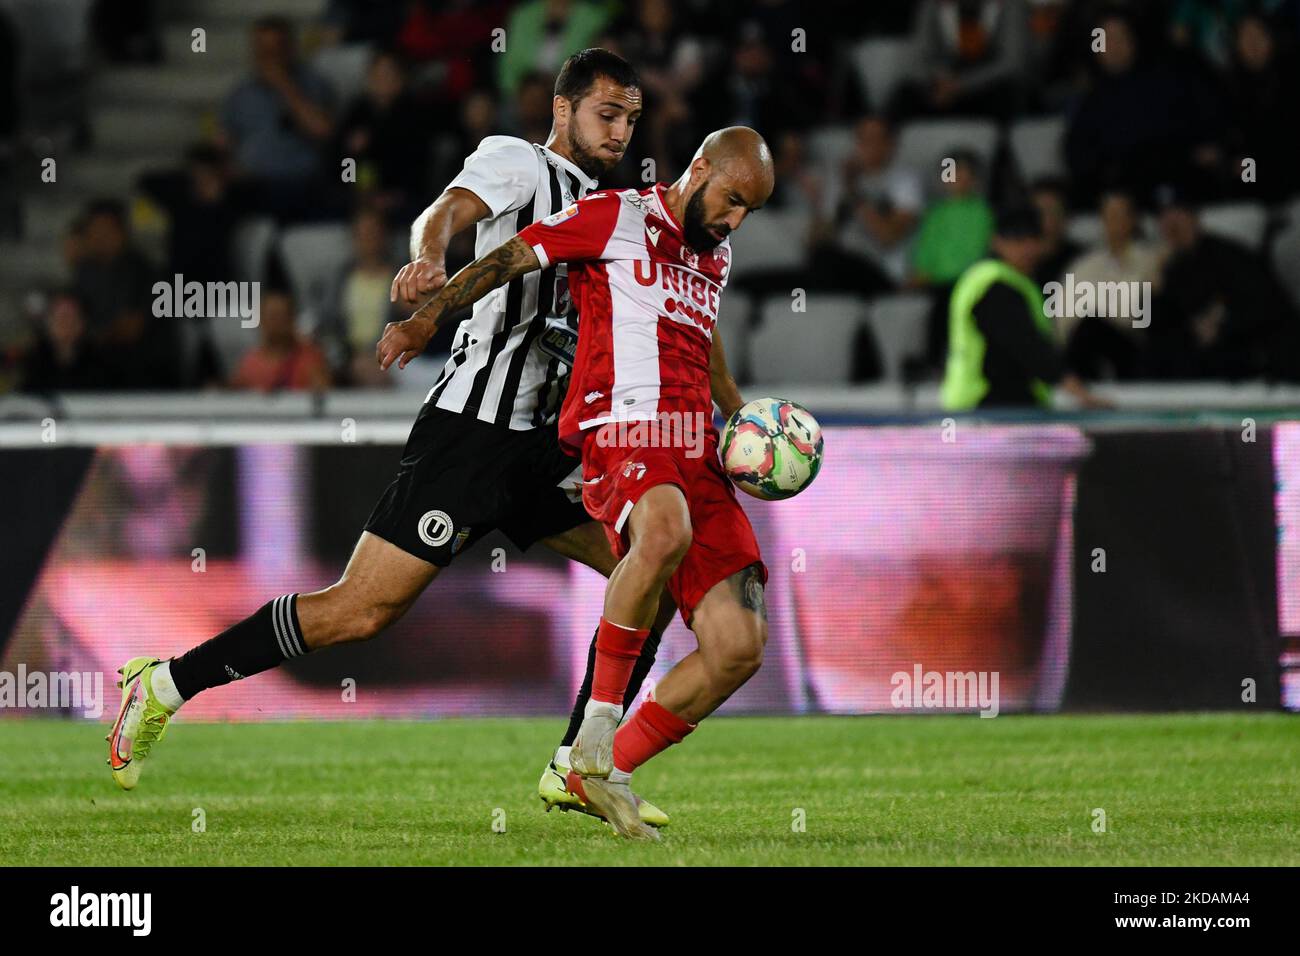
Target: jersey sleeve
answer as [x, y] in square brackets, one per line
[576, 233]
[502, 172]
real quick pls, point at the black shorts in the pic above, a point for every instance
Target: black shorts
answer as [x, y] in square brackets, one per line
[461, 477]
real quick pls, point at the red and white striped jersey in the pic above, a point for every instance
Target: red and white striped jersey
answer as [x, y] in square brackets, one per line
[647, 303]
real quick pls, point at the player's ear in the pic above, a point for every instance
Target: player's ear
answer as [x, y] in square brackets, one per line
[560, 109]
[699, 171]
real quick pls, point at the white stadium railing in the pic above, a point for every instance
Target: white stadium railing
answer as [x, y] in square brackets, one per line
[385, 417]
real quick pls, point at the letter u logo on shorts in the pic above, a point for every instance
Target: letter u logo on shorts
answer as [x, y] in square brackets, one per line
[435, 528]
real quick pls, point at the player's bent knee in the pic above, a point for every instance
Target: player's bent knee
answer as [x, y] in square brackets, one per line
[663, 543]
[737, 651]
[344, 619]
[371, 621]
[747, 653]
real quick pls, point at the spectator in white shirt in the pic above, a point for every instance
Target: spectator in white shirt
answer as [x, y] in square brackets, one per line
[1107, 345]
[881, 201]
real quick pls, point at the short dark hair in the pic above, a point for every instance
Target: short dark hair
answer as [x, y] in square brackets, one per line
[205, 154]
[883, 118]
[1119, 192]
[68, 293]
[276, 23]
[114, 209]
[391, 53]
[535, 78]
[1050, 184]
[581, 70]
[1018, 221]
[965, 156]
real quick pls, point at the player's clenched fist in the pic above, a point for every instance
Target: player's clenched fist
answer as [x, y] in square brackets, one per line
[403, 341]
[416, 280]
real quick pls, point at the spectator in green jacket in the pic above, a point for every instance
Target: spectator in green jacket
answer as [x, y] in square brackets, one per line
[954, 231]
[541, 34]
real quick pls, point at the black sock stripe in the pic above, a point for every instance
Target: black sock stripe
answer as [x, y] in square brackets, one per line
[275, 623]
[288, 635]
[291, 617]
[284, 624]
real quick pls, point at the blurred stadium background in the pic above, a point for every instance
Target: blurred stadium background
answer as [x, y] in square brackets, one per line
[164, 476]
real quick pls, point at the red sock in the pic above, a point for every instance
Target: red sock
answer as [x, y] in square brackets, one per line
[617, 649]
[651, 730]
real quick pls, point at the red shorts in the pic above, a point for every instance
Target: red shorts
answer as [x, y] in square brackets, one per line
[723, 542]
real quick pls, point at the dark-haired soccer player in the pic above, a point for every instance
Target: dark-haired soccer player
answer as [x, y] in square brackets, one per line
[483, 451]
[648, 269]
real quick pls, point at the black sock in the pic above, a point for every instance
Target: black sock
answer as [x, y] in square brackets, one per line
[639, 671]
[267, 638]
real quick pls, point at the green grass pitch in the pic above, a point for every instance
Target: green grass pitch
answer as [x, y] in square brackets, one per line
[1192, 789]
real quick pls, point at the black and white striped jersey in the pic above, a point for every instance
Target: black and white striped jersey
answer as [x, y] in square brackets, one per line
[498, 371]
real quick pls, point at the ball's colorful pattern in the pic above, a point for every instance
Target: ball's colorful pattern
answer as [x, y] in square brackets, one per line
[771, 448]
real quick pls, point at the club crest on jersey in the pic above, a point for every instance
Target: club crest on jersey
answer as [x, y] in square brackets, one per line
[461, 537]
[435, 528]
[555, 218]
[637, 201]
[723, 258]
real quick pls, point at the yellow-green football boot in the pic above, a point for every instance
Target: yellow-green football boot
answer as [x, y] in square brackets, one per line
[554, 790]
[141, 721]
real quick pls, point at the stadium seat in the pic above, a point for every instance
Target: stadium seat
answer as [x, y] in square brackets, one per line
[829, 145]
[882, 65]
[735, 318]
[816, 345]
[899, 324]
[1243, 221]
[251, 244]
[770, 239]
[231, 340]
[1286, 258]
[922, 144]
[1036, 146]
[345, 68]
[315, 257]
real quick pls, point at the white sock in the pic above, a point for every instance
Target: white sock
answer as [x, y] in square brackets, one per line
[562, 757]
[164, 688]
[600, 707]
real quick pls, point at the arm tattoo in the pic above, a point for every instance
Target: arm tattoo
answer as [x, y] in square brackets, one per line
[748, 587]
[506, 262]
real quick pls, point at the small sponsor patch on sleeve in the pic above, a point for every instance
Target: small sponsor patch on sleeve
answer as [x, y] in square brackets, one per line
[555, 218]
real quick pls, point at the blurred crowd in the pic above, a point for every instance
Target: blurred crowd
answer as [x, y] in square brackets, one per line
[1161, 123]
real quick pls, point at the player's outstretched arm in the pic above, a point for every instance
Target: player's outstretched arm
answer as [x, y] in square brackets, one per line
[455, 210]
[726, 394]
[403, 341]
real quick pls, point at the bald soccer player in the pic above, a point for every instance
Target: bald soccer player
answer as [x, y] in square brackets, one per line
[483, 452]
[647, 269]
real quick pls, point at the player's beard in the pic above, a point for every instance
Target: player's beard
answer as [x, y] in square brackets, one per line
[697, 234]
[586, 158]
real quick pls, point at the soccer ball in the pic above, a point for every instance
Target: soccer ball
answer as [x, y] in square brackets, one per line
[771, 448]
